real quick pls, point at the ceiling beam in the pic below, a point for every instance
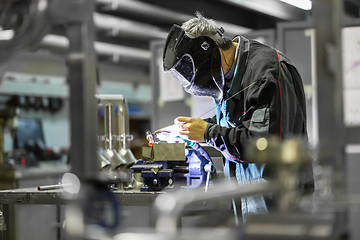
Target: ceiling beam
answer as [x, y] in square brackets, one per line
[251, 14]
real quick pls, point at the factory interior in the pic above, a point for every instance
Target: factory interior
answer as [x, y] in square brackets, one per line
[82, 91]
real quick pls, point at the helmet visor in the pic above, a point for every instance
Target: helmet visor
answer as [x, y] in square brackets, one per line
[184, 70]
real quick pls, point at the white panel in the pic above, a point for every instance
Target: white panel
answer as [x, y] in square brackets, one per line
[352, 107]
[170, 88]
[351, 57]
[351, 75]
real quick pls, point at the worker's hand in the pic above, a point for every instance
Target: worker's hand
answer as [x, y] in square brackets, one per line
[192, 128]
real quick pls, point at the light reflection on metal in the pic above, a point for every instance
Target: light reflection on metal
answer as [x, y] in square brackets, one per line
[303, 4]
[6, 34]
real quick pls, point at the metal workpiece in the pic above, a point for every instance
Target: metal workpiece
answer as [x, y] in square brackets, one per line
[109, 154]
[124, 137]
[108, 102]
[115, 159]
[170, 206]
[109, 119]
[123, 125]
[164, 152]
[103, 162]
[114, 154]
[116, 129]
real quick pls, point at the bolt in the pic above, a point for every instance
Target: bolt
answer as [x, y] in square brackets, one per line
[155, 181]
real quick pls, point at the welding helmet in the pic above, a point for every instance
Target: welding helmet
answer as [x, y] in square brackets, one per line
[195, 63]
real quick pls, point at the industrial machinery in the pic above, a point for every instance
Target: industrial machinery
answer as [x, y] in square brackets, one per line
[167, 159]
[114, 154]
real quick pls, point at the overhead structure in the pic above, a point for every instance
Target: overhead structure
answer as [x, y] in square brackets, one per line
[274, 8]
[162, 14]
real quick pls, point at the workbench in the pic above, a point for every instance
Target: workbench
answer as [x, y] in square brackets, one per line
[33, 214]
[54, 197]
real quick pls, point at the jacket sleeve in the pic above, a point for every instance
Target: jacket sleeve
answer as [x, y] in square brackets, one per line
[210, 120]
[255, 123]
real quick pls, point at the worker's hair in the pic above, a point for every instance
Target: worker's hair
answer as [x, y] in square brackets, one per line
[201, 26]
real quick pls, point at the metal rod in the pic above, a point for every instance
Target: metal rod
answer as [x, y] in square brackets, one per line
[109, 125]
[170, 206]
[52, 187]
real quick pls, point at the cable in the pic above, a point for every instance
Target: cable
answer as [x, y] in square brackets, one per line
[229, 98]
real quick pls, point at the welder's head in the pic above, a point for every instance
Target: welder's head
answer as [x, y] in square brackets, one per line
[194, 62]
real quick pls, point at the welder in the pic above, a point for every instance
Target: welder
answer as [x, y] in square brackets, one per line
[257, 91]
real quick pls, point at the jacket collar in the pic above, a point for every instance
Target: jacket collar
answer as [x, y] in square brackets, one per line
[241, 62]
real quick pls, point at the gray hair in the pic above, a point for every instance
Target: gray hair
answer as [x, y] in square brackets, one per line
[201, 26]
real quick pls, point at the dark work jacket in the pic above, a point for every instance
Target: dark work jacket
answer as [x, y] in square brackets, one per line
[266, 98]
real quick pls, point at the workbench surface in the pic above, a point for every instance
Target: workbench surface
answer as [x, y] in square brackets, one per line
[58, 196]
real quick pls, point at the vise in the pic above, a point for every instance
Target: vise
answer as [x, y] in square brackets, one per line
[166, 165]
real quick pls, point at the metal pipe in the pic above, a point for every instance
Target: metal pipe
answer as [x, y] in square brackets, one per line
[124, 132]
[109, 128]
[170, 206]
[122, 124]
[52, 187]
[117, 25]
[101, 48]
[163, 14]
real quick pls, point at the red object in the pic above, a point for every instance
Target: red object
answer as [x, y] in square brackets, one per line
[22, 161]
[281, 103]
[150, 145]
[49, 151]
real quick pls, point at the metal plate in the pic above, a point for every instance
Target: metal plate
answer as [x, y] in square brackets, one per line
[164, 152]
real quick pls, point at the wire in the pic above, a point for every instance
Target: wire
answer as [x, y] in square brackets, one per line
[229, 98]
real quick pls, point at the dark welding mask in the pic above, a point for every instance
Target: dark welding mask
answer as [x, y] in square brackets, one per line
[195, 63]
